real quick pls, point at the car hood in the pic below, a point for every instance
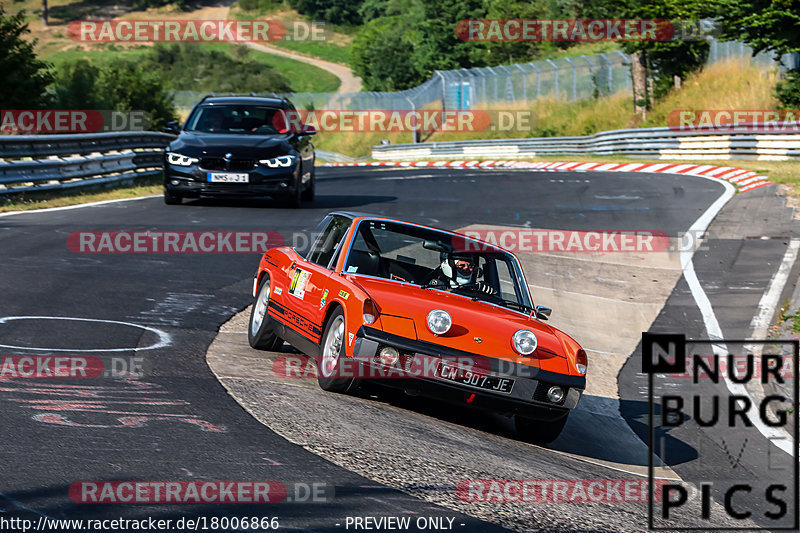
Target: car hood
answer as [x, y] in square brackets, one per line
[478, 327]
[212, 145]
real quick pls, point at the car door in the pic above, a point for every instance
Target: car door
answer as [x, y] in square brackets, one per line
[308, 278]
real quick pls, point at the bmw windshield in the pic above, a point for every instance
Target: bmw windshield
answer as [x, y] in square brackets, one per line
[237, 119]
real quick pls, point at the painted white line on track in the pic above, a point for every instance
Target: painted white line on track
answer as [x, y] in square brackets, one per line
[769, 301]
[713, 329]
[77, 206]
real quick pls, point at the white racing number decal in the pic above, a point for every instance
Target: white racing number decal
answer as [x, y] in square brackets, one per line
[299, 282]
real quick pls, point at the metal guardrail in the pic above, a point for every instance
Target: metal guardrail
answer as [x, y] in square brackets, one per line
[658, 143]
[48, 162]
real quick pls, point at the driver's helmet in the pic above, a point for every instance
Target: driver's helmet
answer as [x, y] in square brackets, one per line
[460, 270]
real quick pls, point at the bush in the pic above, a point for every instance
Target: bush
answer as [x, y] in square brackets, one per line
[188, 67]
[258, 5]
[25, 77]
[787, 90]
[382, 56]
[120, 86]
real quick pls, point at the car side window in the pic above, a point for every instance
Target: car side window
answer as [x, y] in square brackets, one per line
[327, 242]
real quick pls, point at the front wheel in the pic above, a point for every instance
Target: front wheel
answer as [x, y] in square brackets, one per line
[330, 364]
[308, 194]
[171, 198]
[260, 331]
[295, 197]
[539, 431]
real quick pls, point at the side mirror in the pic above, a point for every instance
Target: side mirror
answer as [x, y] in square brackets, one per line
[173, 126]
[542, 312]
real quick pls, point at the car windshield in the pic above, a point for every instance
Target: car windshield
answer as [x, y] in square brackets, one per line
[237, 120]
[439, 261]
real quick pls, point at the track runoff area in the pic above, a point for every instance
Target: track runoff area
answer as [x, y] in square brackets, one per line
[104, 355]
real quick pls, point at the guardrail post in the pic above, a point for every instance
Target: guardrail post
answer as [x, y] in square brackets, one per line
[495, 82]
[574, 79]
[524, 84]
[538, 80]
[509, 85]
[627, 63]
[555, 80]
[444, 90]
[415, 130]
[591, 76]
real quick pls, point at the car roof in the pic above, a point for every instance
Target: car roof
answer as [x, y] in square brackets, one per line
[253, 100]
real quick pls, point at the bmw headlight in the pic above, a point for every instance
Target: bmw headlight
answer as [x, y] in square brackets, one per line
[278, 162]
[524, 342]
[439, 321]
[180, 160]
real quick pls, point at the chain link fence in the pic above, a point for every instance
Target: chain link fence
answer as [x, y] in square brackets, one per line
[574, 78]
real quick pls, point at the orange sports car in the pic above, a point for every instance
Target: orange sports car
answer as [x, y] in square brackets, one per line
[429, 311]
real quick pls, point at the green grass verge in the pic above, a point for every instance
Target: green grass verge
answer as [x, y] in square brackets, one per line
[302, 76]
[43, 200]
[329, 51]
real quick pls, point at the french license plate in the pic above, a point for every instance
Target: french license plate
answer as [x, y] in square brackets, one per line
[475, 379]
[228, 177]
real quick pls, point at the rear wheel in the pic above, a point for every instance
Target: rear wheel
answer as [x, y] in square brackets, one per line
[260, 332]
[171, 198]
[539, 431]
[330, 363]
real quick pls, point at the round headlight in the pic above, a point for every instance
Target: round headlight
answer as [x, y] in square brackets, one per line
[525, 342]
[555, 394]
[388, 355]
[439, 321]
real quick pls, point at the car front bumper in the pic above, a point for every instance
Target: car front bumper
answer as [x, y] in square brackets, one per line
[527, 397]
[193, 182]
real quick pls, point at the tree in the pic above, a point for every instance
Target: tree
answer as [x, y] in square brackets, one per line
[382, 56]
[662, 61]
[335, 11]
[75, 87]
[767, 26]
[120, 86]
[25, 76]
[129, 88]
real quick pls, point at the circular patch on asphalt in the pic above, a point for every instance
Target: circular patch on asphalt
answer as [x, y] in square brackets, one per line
[73, 334]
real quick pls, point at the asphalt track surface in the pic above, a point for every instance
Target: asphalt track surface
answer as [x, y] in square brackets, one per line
[177, 422]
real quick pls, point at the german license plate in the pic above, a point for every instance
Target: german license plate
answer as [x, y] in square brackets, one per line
[475, 379]
[228, 177]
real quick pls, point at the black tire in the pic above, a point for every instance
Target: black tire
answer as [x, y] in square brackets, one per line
[261, 328]
[171, 198]
[539, 431]
[330, 366]
[296, 196]
[308, 194]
